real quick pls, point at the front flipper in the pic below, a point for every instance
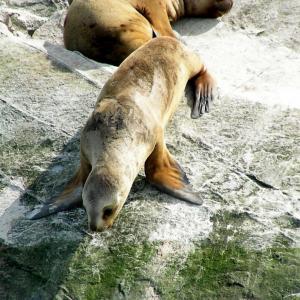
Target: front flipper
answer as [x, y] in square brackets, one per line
[156, 14]
[61, 203]
[163, 172]
[68, 199]
[204, 94]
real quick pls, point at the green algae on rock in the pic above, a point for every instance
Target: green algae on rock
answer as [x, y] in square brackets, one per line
[222, 267]
[228, 271]
[97, 273]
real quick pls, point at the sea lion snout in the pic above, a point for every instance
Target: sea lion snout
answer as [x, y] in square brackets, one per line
[95, 225]
[101, 211]
[101, 219]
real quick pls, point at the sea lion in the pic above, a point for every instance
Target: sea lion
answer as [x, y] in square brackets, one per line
[126, 131]
[108, 31]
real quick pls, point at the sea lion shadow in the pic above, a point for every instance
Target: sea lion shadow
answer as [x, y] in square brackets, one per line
[194, 26]
[39, 252]
[74, 60]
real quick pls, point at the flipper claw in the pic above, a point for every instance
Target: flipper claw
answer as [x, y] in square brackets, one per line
[204, 94]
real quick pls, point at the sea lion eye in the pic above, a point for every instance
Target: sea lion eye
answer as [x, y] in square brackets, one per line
[107, 212]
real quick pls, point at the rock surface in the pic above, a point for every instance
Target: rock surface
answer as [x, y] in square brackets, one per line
[243, 243]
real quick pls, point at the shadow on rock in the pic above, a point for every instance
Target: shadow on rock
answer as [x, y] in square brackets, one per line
[194, 27]
[36, 255]
[34, 259]
[74, 59]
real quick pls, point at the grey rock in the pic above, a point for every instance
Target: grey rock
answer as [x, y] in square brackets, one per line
[27, 2]
[52, 30]
[4, 30]
[243, 243]
[272, 19]
[42, 8]
[25, 21]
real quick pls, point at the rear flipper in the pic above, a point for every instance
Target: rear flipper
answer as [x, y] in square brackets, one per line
[163, 172]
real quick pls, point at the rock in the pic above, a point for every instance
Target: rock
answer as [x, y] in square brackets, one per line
[26, 2]
[42, 8]
[4, 29]
[4, 17]
[25, 21]
[272, 19]
[243, 243]
[52, 30]
[21, 20]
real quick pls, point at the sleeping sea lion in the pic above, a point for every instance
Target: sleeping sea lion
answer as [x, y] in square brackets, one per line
[126, 132]
[108, 31]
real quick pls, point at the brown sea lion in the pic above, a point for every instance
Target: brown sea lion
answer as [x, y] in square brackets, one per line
[108, 31]
[126, 132]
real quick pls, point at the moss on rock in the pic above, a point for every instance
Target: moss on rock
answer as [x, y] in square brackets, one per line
[34, 271]
[223, 268]
[101, 273]
[228, 271]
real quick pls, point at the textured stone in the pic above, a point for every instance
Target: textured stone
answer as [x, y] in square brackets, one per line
[26, 2]
[243, 243]
[52, 30]
[277, 20]
[43, 8]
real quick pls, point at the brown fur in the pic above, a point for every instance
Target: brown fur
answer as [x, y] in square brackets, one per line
[108, 31]
[126, 131]
[160, 169]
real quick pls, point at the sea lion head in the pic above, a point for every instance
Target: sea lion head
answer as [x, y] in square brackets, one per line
[222, 7]
[103, 198]
[208, 8]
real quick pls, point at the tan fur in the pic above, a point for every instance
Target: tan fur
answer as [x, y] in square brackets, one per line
[108, 31]
[160, 167]
[126, 130]
[79, 178]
